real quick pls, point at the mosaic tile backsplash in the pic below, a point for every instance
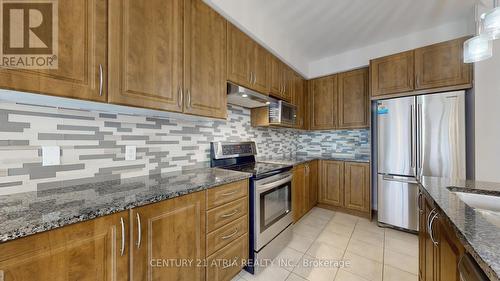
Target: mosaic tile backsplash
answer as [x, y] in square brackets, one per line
[93, 143]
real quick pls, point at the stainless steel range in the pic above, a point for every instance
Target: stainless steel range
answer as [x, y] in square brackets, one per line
[270, 205]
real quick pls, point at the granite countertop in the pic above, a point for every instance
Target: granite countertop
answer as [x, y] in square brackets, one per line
[28, 213]
[479, 230]
[299, 159]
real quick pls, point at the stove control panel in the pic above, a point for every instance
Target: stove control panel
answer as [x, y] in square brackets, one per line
[233, 149]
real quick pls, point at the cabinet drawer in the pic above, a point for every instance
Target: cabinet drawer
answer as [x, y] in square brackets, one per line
[233, 254]
[227, 213]
[226, 193]
[225, 235]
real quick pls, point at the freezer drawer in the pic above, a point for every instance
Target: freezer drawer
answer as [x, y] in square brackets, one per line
[397, 201]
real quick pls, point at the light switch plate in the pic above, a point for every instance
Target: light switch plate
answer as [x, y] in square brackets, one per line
[51, 155]
[130, 152]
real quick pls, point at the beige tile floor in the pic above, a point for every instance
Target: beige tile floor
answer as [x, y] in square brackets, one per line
[374, 253]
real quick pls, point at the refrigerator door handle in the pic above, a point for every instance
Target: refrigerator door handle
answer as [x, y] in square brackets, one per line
[412, 140]
[419, 139]
[399, 179]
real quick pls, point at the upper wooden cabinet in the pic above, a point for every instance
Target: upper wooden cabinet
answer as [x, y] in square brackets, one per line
[357, 187]
[178, 65]
[169, 229]
[82, 56]
[247, 62]
[282, 80]
[205, 61]
[323, 103]
[353, 99]
[87, 251]
[331, 188]
[299, 99]
[146, 53]
[442, 65]
[392, 74]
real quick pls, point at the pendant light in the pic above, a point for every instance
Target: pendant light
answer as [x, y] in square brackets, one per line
[491, 22]
[479, 47]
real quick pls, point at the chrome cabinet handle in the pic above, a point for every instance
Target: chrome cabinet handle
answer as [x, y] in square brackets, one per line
[122, 248]
[230, 214]
[251, 77]
[429, 219]
[139, 231]
[419, 202]
[418, 80]
[431, 231]
[229, 193]
[101, 79]
[254, 79]
[230, 235]
[181, 97]
[188, 98]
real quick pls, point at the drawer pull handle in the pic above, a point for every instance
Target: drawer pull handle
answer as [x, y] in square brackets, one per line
[229, 193]
[230, 215]
[122, 248]
[230, 235]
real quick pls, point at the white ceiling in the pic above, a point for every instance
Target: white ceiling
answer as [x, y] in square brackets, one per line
[303, 31]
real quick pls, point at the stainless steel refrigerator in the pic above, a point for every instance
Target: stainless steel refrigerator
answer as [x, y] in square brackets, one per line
[416, 136]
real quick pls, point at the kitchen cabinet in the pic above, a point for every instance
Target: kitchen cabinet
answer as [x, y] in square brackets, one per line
[247, 62]
[205, 61]
[357, 187]
[146, 54]
[171, 229]
[299, 99]
[304, 188]
[94, 250]
[332, 183]
[179, 65]
[392, 74]
[439, 248]
[345, 186]
[353, 99]
[282, 80]
[323, 103]
[82, 56]
[442, 65]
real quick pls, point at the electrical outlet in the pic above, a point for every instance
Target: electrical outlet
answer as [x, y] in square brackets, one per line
[51, 155]
[130, 152]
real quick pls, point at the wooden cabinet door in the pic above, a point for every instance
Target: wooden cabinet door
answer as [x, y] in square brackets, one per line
[275, 76]
[288, 83]
[332, 183]
[392, 74]
[429, 263]
[357, 191]
[442, 65]
[145, 53]
[260, 68]
[299, 191]
[205, 61]
[353, 100]
[239, 55]
[313, 176]
[82, 43]
[422, 233]
[171, 229]
[87, 251]
[323, 103]
[299, 101]
[449, 251]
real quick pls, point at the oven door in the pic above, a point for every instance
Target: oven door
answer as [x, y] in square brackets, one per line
[273, 207]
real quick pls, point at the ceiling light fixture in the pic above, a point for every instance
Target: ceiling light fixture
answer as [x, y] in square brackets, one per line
[491, 22]
[479, 47]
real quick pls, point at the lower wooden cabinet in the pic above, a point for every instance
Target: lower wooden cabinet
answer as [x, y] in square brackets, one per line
[226, 263]
[171, 230]
[304, 188]
[87, 251]
[439, 248]
[345, 186]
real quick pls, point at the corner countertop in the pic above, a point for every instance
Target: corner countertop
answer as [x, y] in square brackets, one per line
[299, 159]
[475, 228]
[29, 213]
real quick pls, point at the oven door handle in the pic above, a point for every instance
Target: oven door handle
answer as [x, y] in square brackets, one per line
[266, 187]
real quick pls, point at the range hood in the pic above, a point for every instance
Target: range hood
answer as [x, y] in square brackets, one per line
[244, 97]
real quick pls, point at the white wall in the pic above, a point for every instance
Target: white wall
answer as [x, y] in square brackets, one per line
[360, 57]
[487, 117]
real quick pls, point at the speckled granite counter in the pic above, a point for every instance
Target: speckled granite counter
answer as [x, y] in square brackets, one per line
[478, 231]
[296, 160]
[34, 212]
